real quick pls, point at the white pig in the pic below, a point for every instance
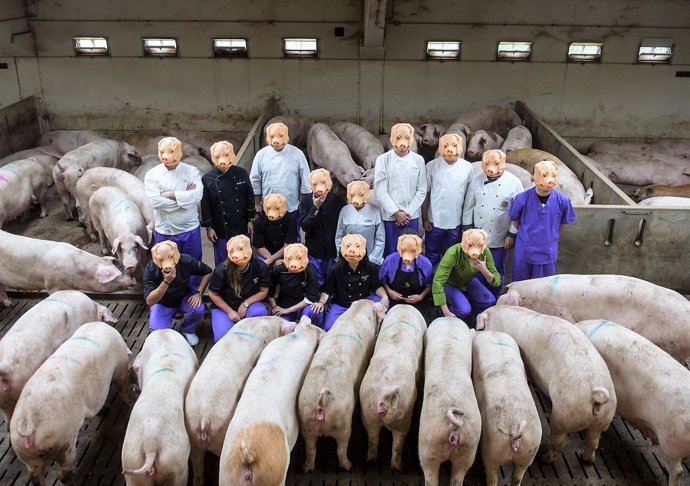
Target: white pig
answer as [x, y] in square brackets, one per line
[511, 428]
[64, 141]
[450, 424]
[364, 146]
[517, 138]
[66, 392]
[389, 387]
[27, 345]
[326, 150]
[148, 162]
[147, 143]
[490, 117]
[657, 313]
[653, 390]
[524, 176]
[564, 365]
[331, 388]
[659, 190]
[19, 181]
[479, 142]
[264, 428]
[217, 386]
[665, 201]
[462, 131]
[156, 445]
[33, 264]
[32, 152]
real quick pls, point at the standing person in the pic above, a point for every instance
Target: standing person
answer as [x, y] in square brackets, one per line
[539, 213]
[168, 290]
[448, 178]
[227, 205]
[407, 274]
[237, 287]
[399, 185]
[319, 214]
[274, 229]
[486, 207]
[362, 218]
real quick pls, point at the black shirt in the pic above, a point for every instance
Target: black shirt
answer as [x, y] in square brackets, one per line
[228, 201]
[251, 280]
[272, 235]
[320, 225]
[294, 287]
[179, 288]
[346, 285]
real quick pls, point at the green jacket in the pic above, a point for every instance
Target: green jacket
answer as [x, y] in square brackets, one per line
[455, 270]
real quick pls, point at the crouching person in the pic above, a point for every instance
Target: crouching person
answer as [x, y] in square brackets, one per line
[167, 289]
[237, 287]
[407, 274]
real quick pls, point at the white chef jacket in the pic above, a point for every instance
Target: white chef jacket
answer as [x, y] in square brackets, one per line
[283, 172]
[366, 222]
[399, 184]
[448, 185]
[179, 216]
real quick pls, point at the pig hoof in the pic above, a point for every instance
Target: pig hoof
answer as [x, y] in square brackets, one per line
[7, 303]
[372, 456]
[307, 468]
[549, 456]
[346, 466]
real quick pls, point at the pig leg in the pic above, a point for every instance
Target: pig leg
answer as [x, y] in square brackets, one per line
[40, 195]
[491, 471]
[343, 439]
[37, 468]
[6, 302]
[66, 198]
[558, 441]
[104, 242]
[457, 473]
[396, 455]
[310, 446]
[591, 444]
[675, 470]
[197, 457]
[518, 472]
[431, 468]
[373, 430]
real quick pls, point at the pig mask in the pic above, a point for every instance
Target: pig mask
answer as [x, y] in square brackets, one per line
[170, 152]
[239, 250]
[358, 193]
[223, 155]
[450, 147]
[474, 242]
[409, 248]
[296, 257]
[494, 163]
[165, 255]
[402, 135]
[277, 136]
[275, 206]
[546, 175]
[320, 182]
[353, 248]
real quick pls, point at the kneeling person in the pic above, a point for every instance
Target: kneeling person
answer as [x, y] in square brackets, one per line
[407, 274]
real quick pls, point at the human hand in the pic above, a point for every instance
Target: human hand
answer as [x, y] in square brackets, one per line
[413, 299]
[191, 186]
[318, 201]
[234, 316]
[170, 276]
[250, 228]
[395, 295]
[258, 208]
[509, 242]
[401, 218]
[242, 311]
[168, 195]
[448, 313]
[195, 299]
[317, 307]
[479, 265]
[211, 235]
[278, 311]
[427, 225]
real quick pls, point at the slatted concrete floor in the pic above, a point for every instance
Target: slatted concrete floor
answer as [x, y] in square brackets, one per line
[624, 457]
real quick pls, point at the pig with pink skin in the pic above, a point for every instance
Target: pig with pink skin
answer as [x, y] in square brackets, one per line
[19, 182]
[101, 153]
[450, 424]
[63, 141]
[511, 428]
[364, 146]
[26, 345]
[65, 393]
[564, 365]
[662, 190]
[331, 388]
[389, 387]
[147, 143]
[490, 117]
[217, 386]
[657, 313]
[653, 389]
[326, 150]
[33, 264]
[32, 152]
[665, 201]
[117, 219]
[518, 138]
[156, 447]
[480, 141]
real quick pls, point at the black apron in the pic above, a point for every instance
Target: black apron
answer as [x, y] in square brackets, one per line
[407, 283]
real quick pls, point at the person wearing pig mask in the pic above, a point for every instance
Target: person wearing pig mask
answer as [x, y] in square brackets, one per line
[237, 287]
[274, 228]
[400, 185]
[319, 214]
[486, 207]
[168, 289]
[407, 274]
[456, 288]
[539, 213]
[448, 178]
[227, 205]
[362, 218]
[352, 278]
[298, 287]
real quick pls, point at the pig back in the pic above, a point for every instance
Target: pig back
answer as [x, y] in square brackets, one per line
[64, 141]
[490, 117]
[326, 150]
[364, 146]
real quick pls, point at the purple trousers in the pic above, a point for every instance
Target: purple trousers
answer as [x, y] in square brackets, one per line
[500, 255]
[437, 241]
[334, 311]
[475, 299]
[322, 266]
[525, 271]
[161, 317]
[295, 215]
[188, 242]
[316, 317]
[221, 323]
[392, 233]
[220, 251]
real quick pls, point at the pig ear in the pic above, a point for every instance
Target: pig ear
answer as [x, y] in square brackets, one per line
[107, 273]
[140, 242]
[80, 171]
[481, 321]
[439, 131]
[116, 246]
[104, 314]
[287, 327]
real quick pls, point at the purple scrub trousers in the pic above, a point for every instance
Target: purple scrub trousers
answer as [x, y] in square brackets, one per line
[221, 323]
[322, 266]
[334, 311]
[437, 241]
[392, 233]
[525, 271]
[316, 317]
[161, 316]
[188, 242]
[475, 299]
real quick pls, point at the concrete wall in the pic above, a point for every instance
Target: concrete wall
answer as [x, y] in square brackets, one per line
[126, 91]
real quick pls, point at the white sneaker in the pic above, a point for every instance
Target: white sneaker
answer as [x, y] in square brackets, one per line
[192, 339]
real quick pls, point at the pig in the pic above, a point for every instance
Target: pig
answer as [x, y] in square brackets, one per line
[331, 388]
[156, 445]
[102, 153]
[298, 128]
[450, 424]
[426, 136]
[653, 390]
[670, 148]
[98, 177]
[658, 190]
[640, 170]
[198, 161]
[518, 138]
[665, 201]
[265, 427]
[511, 428]
[216, 387]
[524, 176]
[33, 264]
[326, 150]
[46, 150]
[657, 313]
[479, 142]
[364, 146]
[564, 365]
[389, 387]
[492, 118]
[63, 141]
[147, 162]
[117, 219]
[462, 130]
[147, 143]
[26, 345]
[66, 391]
[19, 182]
